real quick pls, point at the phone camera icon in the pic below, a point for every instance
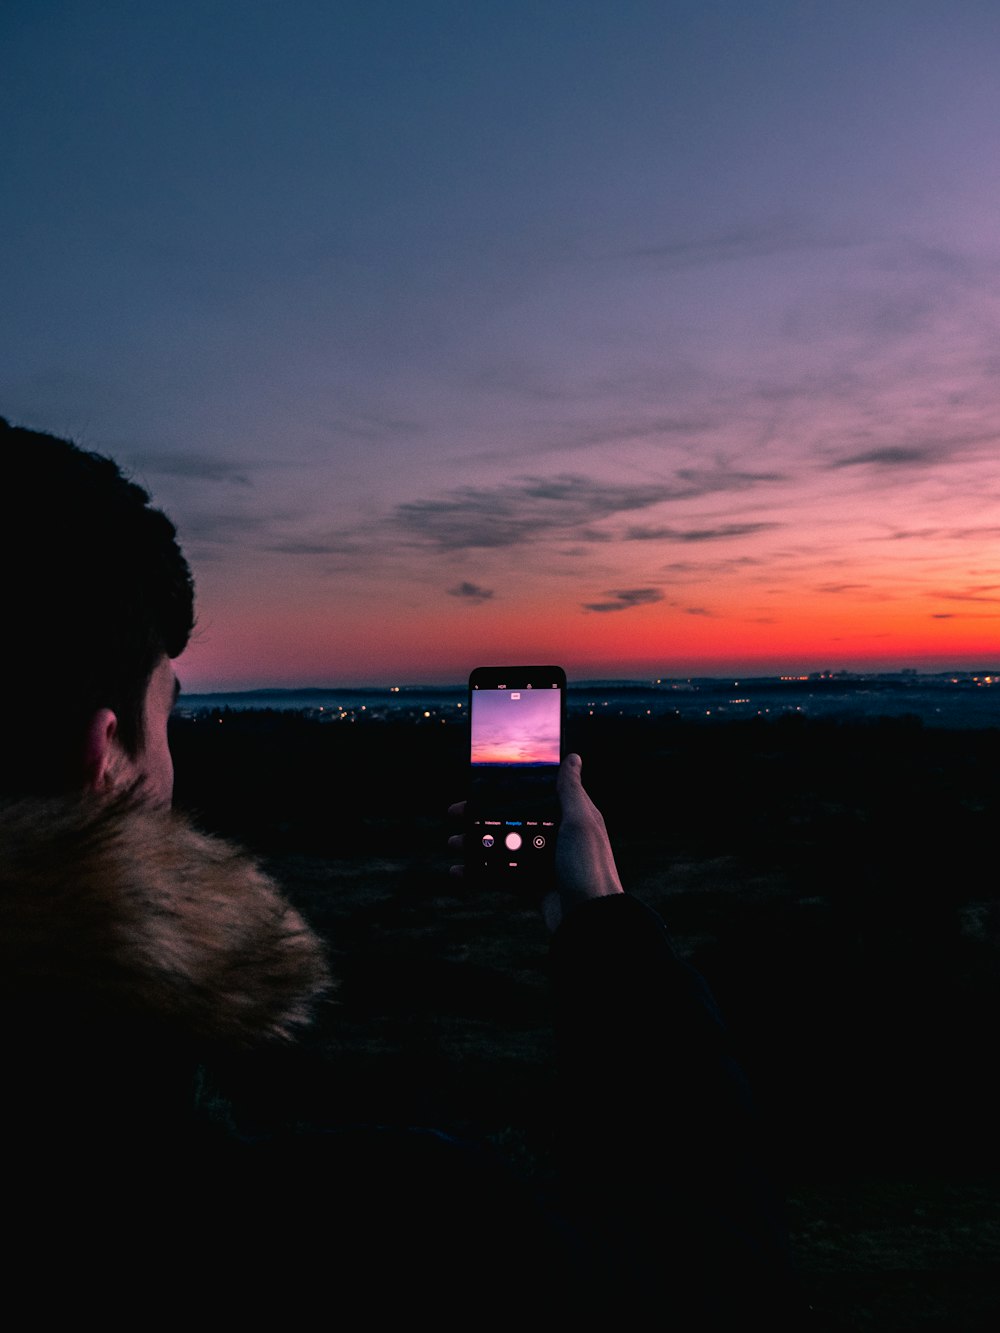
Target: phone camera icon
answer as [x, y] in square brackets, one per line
[538, 841]
[487, 839]
[512, 841]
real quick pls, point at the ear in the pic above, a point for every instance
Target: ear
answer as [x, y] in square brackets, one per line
[99, 751]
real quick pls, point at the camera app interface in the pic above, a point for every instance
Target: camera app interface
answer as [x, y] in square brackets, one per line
[515, 759]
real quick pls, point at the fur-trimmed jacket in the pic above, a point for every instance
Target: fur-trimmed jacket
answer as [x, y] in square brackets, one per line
[129, 912]
[132, 947]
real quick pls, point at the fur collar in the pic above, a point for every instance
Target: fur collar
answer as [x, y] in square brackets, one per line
[131, 911]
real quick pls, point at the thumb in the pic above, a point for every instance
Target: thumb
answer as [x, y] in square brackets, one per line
[569, 784]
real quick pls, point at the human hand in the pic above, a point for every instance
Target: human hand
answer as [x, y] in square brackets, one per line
[584, 863]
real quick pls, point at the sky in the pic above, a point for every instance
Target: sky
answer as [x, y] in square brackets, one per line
[516, 726]
[648, 339]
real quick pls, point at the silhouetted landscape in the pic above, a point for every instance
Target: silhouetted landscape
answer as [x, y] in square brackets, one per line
[833, 878]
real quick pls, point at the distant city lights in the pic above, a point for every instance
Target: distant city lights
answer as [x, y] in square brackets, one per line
[953, 698]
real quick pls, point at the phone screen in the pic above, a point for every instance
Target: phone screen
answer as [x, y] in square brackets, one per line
[516, 722]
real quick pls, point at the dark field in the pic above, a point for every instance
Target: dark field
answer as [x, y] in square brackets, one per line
[835, 882]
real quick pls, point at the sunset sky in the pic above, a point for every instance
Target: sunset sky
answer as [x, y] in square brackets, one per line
[644, 338]
[515, 726]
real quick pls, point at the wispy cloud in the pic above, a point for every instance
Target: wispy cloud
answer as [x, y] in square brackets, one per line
[372, 426]
[199, 467]
[984, 531]
[965, 615]
[907, 534]
[510, 515]
[471, 592]
[987, 592]
[723, 478]
[719, 532]
[623, 599]
[894, 455]
[292, 546]
[740, 243]
[715, 566]
[562, 506]
[226, 529]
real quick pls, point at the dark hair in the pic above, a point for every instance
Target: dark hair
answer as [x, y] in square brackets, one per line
[97, 591]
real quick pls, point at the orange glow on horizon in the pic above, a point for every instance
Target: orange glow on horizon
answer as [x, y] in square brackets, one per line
[285, 650]
[260, 628]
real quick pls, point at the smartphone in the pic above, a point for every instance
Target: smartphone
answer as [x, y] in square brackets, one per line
[517, 721]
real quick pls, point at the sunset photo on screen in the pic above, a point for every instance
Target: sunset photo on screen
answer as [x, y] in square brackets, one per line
[515, 727]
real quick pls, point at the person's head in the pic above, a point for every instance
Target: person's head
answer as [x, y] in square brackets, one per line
[98, 599]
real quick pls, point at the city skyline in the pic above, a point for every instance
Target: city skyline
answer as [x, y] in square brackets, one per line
[654, 339]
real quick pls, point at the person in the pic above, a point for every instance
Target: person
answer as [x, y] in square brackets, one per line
[134, 949]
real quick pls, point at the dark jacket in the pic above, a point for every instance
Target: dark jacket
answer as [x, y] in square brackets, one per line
[132, 948]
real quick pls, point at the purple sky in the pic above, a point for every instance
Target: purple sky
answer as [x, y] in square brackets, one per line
[521, 729]
[634, 336]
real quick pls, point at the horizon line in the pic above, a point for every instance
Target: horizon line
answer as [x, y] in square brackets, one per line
[845, 673]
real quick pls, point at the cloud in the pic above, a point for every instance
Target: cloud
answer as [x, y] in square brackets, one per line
[471, 592]
[334, 547]
[266, 532]
[562, 506]
[197, 466]
[721, 531]
[722, 478]
[502, 516]
[625, 599]
[894, 455]
[373, 426]
[982, 532]
[908, 534]
[963, 534]
[965, 615]
[468, 519]
[680, 568]
[227, 529]
[916, 256]
[620, 430]
[750, 242]
[987, 592]
[697, 611]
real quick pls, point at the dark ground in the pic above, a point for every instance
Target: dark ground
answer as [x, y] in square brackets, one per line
[835, 882]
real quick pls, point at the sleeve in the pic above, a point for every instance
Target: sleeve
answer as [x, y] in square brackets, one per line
[659, 1143]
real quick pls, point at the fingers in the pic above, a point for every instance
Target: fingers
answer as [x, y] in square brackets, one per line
[456, 842]
[585, 863]
[569, 773]
[575, 802]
